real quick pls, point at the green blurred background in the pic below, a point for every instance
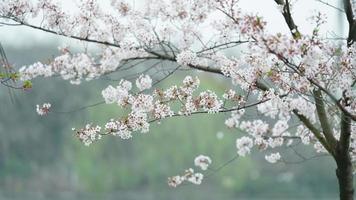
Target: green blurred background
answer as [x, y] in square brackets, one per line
[40, 158]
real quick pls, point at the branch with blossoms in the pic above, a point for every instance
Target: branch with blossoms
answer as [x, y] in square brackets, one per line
[186, 58]
[156, 105]
[67, 64]
[284, 78]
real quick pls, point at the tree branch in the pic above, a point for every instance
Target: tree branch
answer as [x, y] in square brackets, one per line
[199, 67]
[348, 11]
[314, 130]
[68, 36]
[352, 22]
[288, 18]
[331, 6]
[345, 136]
[307, 123]
[323, 119]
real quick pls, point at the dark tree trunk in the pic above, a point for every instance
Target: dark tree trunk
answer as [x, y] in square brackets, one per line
[345, 178]
[343, 160]
[344, 173]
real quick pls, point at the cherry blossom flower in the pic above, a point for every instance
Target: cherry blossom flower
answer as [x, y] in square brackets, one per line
[175, 181]
[120, 94]
[202, 161]
[186, 58]
[196, 178]
[189, 175]
[88, 134]
[44, 109]
[273, 157]
[209, 102]
[244, 145]
[144, 82]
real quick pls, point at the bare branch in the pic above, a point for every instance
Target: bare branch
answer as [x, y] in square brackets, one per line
[352, 22]
[288, 18]
[332, 6]
[348, 11]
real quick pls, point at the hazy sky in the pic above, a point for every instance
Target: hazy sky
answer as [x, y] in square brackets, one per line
[303, 9]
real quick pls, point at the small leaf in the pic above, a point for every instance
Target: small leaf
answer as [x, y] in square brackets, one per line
[14, 76]
[27, 85]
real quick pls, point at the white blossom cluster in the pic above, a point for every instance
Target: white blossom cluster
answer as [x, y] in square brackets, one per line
[162, 111]
[44, 109]
[144, 82]
[244, 145]
[278, 109]
[186, 58]
[146, 108]
[231, 95]
[210, 102]
[119, 95]
[81, 66]
[127, 28]
[35, 70]
[88, 134]
[273, 157]
[189, 175]
[202, 162]
[118, 128]
[234, 120]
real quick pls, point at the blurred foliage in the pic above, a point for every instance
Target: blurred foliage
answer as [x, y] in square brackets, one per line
[40, 158]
